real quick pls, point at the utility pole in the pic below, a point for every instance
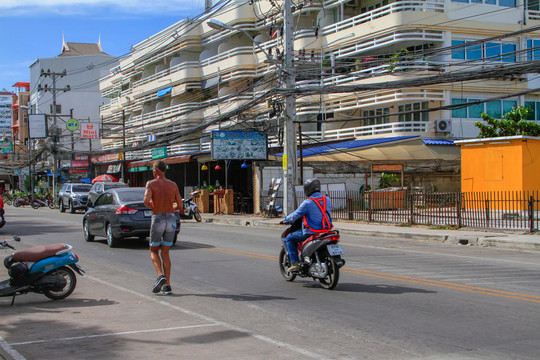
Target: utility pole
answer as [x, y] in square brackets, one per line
[289, 148]
[55, 131]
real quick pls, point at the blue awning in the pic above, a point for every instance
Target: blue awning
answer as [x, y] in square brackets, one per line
[164, 91]
[347, 145]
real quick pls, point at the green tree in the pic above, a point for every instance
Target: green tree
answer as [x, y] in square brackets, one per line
[513, 123]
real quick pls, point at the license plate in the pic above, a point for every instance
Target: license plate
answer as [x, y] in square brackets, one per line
[147, 213]
[334, 250]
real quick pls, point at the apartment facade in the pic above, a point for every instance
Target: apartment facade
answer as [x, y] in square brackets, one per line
[73, 75]
[189, 79]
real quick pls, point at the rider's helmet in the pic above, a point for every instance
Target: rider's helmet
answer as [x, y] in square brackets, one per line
[312, 186]
[8, 261]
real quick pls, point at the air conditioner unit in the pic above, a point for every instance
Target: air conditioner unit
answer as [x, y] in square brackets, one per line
[443, 126]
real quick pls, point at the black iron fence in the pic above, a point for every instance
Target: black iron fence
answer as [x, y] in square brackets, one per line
[515, 210]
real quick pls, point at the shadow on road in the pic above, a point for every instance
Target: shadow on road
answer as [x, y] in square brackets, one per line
[379, 289]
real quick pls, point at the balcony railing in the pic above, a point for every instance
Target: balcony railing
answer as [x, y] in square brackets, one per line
[431, 6]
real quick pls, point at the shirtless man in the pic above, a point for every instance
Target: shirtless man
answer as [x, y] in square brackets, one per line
[163, 197]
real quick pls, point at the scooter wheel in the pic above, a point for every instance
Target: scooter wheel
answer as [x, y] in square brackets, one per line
[71, 282]
[331, 280]
[197, 215]
[284, 264]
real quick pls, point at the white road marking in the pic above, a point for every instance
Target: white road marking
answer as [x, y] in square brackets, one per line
[10, 351]
[110, 334]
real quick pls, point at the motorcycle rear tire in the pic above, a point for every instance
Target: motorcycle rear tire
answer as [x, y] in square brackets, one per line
[284, 265]
[16, 203]
[71, 282]
[35, 205]
[197, 215]
[51, 205]
[331, 280]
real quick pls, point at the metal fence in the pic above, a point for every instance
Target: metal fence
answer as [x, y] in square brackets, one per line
[513, 210]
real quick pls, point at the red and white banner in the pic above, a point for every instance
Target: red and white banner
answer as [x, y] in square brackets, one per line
[89, 130]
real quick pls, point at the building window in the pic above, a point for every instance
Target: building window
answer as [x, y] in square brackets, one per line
[533, 52]
[376, 116]
[505, 3]
[414, 113]
[496, 109]
[492, 51]
[58, 109]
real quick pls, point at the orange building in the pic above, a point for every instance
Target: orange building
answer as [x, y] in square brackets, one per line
[500, 164]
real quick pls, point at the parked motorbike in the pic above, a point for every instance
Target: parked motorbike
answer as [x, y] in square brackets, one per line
[22, 201]
[37, 203]
[319, 257]
[47, 269]
[191, 209]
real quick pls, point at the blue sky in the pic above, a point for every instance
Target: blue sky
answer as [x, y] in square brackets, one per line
[32, 29]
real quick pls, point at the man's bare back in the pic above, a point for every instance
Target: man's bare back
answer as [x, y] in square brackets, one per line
[161, 195]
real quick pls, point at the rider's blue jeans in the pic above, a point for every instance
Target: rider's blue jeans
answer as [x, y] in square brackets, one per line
[292, 240]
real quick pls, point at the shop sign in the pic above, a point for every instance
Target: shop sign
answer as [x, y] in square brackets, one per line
[79, 163]
[90, 131]
[6, 147]
[159, 153]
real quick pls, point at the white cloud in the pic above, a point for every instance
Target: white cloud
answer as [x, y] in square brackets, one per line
[73, 7]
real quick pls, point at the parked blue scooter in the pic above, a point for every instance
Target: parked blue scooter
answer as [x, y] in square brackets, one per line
[46, 269]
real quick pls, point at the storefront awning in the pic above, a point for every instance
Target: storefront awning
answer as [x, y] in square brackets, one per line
[146, 165]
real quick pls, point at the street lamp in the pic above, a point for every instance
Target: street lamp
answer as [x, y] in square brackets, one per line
[289, 148]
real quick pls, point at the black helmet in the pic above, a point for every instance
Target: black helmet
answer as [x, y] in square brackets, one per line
[17, 270]
[8, 261]
[312, 186]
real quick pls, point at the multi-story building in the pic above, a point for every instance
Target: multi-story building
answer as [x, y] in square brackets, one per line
[190, 78]
[72, 79]
[6, 101]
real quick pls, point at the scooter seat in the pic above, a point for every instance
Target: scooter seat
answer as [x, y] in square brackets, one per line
[39, 252]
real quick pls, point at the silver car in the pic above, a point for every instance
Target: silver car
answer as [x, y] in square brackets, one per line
[73, 196]
[99, 187]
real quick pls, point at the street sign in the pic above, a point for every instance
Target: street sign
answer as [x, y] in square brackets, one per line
[239, 145]
[37, 126]
[72, 124]
[159, 153]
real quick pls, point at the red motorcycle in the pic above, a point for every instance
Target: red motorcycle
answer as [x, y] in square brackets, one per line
[22, 201]
[319, 257]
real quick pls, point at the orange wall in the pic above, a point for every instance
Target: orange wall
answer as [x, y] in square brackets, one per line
[500, 165]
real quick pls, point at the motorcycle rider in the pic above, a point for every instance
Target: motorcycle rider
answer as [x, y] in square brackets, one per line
[315, 211]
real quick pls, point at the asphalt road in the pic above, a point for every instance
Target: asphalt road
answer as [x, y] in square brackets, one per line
[396, 299]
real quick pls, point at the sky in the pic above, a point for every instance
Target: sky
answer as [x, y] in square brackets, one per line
[33, 29]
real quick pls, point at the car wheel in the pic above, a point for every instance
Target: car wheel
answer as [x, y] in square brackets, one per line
[87, 235]
[71, 208]
[112, 241]
[62, 208]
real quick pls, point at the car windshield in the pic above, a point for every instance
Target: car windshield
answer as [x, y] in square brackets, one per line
[131, 195]
[81, 188]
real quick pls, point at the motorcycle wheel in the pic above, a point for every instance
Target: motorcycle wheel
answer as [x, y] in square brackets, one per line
[16, 203]
[71, 282]
[9, 202]
[284, 265]
[331, 280]
[197, 215]
[35, 205]
[50, 204]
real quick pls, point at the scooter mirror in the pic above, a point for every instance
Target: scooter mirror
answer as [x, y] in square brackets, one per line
[16, 238]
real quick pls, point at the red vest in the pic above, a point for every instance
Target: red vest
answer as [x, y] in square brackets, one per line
[326, 226]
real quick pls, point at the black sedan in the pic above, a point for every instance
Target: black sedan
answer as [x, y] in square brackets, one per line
[119, 213]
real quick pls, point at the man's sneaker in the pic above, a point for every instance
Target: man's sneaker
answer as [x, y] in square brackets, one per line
[159, 283]
[166, 290]
[294, 268]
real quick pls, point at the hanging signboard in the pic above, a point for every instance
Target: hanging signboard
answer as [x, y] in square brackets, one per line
[159, 153]
[239, 145]
[89, 130]
[6, 147]
[37, 126]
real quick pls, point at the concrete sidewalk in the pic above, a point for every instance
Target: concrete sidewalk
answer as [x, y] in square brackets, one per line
[521, 240]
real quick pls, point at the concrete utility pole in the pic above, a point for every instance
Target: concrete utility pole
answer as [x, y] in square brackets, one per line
[289, 148]
[55, 131]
